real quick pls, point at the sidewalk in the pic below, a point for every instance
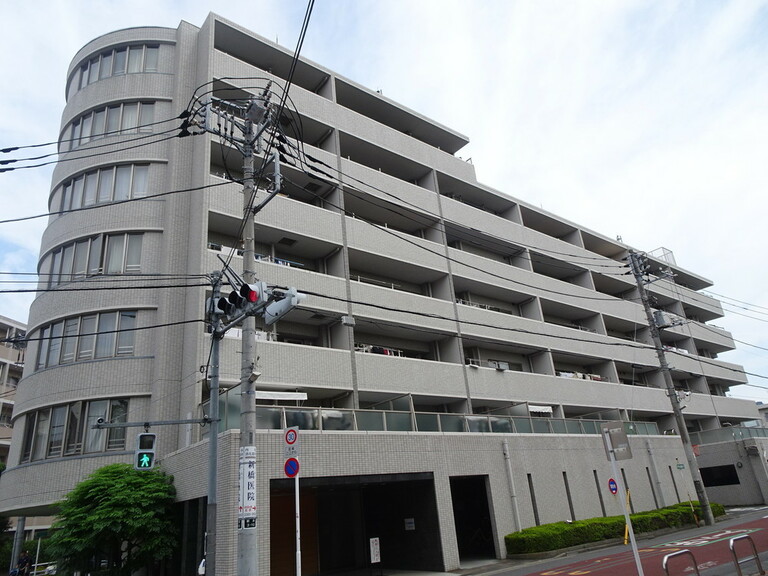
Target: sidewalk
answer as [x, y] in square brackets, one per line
[522, 566]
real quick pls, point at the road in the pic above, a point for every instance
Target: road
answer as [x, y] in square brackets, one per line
[709, 545]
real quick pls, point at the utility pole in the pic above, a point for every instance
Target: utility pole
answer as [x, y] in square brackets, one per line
[213, 436]
[250, 297]
[247, 531]
[638, 265]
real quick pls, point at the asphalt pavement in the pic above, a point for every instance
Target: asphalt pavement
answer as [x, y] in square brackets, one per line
[708, 547]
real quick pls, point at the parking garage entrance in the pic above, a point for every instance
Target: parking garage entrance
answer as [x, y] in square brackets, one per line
[472, 515]
[339, 516]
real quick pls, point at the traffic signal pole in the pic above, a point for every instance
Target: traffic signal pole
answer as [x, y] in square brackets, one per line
[213, 436]
[249, 299]
[247, 533]
[636, 262]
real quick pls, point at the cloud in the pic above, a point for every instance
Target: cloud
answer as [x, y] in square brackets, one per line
[645, 119]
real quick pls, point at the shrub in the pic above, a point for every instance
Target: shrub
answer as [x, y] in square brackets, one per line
[566, 534]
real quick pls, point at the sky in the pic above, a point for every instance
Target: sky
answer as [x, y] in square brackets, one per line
[642, 119]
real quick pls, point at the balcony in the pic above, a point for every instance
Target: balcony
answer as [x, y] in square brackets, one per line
[340, 420]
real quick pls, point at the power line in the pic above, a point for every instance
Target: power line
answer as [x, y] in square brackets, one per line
[523, 331]
[97, 288]
[746, 316]
[71, 158]
[138, 128]
[734, 299]
[470, 266]
[27, 339]
[116, 202]
[502, 242]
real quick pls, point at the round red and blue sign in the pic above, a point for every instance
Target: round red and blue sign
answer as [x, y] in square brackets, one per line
[291, 467]
[612, 486]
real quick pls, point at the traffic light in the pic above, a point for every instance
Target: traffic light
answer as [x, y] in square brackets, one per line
[144, 457]
[284, 302]
[256, 299]
[218, 307]
[255, 294]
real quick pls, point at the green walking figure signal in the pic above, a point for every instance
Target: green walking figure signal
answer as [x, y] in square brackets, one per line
[144, 457]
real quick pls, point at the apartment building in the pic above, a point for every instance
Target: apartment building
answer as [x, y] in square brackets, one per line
[459, 348]
[11, 367]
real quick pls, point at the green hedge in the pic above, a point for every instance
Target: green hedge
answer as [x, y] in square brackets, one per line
[565, 534]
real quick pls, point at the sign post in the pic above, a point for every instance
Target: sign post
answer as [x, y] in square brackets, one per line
[614, 432]
[291, 469]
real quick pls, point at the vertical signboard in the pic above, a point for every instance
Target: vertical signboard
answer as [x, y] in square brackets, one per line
[247, 512]
[375, 551]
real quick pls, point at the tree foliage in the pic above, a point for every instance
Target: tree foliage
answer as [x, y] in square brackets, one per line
[115, 522]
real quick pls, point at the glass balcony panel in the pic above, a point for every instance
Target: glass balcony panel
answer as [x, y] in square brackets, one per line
[372, 420]
[631, 428]
[427, 423]
[558, 426]
[338, 420]
[573, 427]
[268, 418]
[478, 424]
[590, 427]
[540, 426]
[305, 419]
[502, 425]
[452, 422]
[399, 421]
[522, 425]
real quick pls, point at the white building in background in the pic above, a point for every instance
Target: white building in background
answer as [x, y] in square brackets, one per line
[11, 367]
[480, 321]
[12, 351]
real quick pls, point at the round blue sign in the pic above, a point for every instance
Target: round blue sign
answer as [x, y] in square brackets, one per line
[291, 467]
[612, 486]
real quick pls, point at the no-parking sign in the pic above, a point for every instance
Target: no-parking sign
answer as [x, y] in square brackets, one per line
[291, 467]
[612, 486]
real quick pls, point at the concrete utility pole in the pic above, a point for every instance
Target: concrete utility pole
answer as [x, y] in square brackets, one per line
[247, 534]
[638, 265]
[250, 298]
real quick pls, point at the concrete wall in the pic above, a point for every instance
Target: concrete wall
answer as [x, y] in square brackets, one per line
[750, 459]
[542, 457]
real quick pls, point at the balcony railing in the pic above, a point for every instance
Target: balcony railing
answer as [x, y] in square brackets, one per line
[333, 419]
[728, 433]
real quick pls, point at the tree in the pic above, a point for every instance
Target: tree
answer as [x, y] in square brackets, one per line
[115, 522]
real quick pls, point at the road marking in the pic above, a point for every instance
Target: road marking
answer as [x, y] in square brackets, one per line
[709, 538]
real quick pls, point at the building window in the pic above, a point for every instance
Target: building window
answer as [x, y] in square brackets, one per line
[105, 185]
[102, 254]
[67, 429]
[103, 335]
[127, 118]
[115, 62]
